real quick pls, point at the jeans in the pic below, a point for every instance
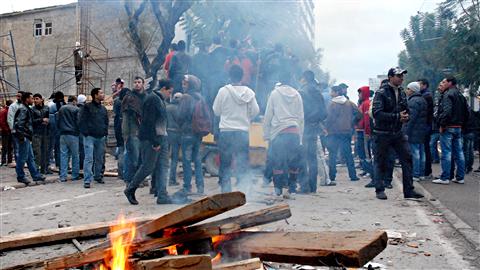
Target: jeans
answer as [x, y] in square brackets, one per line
[40, 151]
[309, 173]
[81, 150]
[94, 152]
[434, 138]
[191, 153]
[388, 176]
[418, 158]
[7, 148]
[132, 146]
[174, 144]
[468, 149]
[363, 148]
[120, 161]
[383, 159]
[69, 147]
[340, 143]
[154, 163]
[286, 161]
[25, 154]
[234, 148]
[452, 148]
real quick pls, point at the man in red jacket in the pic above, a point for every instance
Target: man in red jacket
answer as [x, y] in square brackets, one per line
[7, 146]
[364, 132]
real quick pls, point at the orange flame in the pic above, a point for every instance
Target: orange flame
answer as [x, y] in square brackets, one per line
[172, 250]
[217, 258]
[121, 244]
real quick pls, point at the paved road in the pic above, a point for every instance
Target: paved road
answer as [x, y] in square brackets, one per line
[463, 200]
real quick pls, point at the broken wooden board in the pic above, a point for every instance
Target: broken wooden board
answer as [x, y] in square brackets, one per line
[348, 249]
[99, 229]
[250, 264]
[181, 262]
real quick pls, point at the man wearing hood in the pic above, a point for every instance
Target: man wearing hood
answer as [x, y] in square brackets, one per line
[283, 129]
[390, 111]
[415, 128]
[236, 106]
[174, 136]
[339, 133]
[363, 131]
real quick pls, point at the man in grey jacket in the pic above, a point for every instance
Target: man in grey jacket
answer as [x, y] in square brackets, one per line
[12, 110]
[67, 126]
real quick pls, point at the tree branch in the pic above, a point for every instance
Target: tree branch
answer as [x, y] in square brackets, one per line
[135, 35]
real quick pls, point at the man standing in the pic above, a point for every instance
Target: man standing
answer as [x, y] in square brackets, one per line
[339, 125]
[174, 137]
[132, 105]
[23, 125]
[78, 56]
[94, 127]
[236, 106]
[415, 128]
[283, 128]
[315, 112]
[67, 125]
[12, 110]
[40, 133]
[179, 66]
[452, 115]
[427, 95]
[7, 146]
[154, 145]
[390, 111]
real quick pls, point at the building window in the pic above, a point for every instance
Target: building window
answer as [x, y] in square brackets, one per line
[37, 27]
[48, 28]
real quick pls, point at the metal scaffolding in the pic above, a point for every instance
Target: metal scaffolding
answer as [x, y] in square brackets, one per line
[8, 60]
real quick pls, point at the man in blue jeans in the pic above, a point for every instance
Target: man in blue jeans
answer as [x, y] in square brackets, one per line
[23, 125]
[67, 126]
[94, 127]
[452, 115]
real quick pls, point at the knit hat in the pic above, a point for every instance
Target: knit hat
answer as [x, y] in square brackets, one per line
[81, 99]
[414, 86]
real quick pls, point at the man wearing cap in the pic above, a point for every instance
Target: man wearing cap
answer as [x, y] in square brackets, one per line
[344, 89]
[390, 111]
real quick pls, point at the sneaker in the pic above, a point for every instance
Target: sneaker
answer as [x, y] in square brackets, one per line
[63, 180]
[416, 179]
[477, 170]
[278, 191]
[355, 179]
[370, 185]
[428, 177]
[363, 174]
[458, 181]
[413, 195]
[332, 183]
[389, 186]
[100, 181]
[24, 181]
[381, 195]
[86, 185]
[440, 181]
[164, 200]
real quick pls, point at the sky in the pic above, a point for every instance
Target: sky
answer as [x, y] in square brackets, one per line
[360, 38]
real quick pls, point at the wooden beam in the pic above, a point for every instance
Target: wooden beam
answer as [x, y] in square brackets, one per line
[181, 262]
[347, 249]
[250, 264]
[99, 229]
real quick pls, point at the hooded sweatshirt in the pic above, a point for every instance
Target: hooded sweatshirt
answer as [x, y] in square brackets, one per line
[340, 116]
[236, 106]
[364, 123]
[284, 110]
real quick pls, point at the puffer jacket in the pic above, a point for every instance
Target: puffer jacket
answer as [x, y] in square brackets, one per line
[23, 123]
[415, 127]
[452, 109]
[386, 110]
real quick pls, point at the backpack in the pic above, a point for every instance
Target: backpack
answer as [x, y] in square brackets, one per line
[202, 119]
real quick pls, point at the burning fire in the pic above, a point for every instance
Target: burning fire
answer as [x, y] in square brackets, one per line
[117, 259]
[217, 258]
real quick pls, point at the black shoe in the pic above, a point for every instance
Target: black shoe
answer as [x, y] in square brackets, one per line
[370, 185]
[24, 181]
[86, 185]
[477, 170]
[389, 186]
[130, 194]
[100, 181]
[413, 195]
[40, 178]
[164, 200]
[355, 179]
[381, 195]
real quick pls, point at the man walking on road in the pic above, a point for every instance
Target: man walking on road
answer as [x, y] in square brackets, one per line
[154, 145]
[94, 127]
[67, 125]
[452, 115]
[23, 125]
[236, 106]
[390, 111]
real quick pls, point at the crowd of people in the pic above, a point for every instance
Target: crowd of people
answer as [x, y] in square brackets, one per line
[153, 124]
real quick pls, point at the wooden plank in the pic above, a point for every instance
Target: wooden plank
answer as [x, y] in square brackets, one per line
[181, 262]
[98, 229]
[250, 264]
[348, 249]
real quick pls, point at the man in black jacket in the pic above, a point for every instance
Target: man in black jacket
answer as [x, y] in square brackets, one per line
[40, 133]
[427, 95]
[94, 127]
[390, 111]
[67, 125]
[154, 145]
[23, 124]
[314, 113]
[452, 115]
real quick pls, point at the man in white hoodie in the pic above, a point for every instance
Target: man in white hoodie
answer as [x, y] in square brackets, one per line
[236, 106]
[283, 128]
